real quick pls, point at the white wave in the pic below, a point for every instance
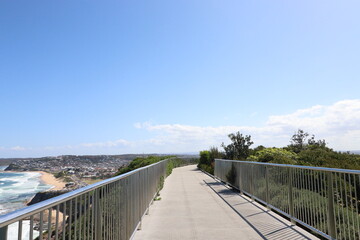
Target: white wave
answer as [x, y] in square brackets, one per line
[17, 188]
[13, 231]
[2, 209]
[2, 168]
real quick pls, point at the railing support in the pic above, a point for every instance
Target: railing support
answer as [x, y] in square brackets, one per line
[291, 200]
[252, 183]
[238, 169]
[3, 233]
[267, 187]
[308, 190]
[135, 191]
[330, 212]
[98, 216]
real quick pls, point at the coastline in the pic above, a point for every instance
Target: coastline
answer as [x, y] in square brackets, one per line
[47, 178]
[50, 179]
[23, 188]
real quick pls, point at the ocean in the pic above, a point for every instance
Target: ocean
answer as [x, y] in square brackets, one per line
[18, 187]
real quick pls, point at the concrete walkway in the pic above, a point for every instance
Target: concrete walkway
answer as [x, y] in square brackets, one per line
[195, 206]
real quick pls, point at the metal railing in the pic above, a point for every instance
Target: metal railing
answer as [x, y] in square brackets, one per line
[324, 200]
[107, 210]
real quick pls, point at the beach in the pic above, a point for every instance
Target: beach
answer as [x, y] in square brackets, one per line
[50, 179]
[18, 188]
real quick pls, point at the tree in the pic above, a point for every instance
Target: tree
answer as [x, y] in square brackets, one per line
[275, 155]
[318, 143]
[215, 153]
[239, 148]
[257, 149]
[297, 141]
[205, 162]
[205, 158]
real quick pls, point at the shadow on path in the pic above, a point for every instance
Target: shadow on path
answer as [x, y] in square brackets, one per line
[265, 222]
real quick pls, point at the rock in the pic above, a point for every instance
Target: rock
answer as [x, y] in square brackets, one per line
[42, 196]
[13, 167]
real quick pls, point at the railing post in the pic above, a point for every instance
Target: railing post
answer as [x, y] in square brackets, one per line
[252, 182]
[3, 233]
[330, 212]
[215, 167]
[98, 217]
[139, 183]
[267, 187]
[239, 171]
[291, 200]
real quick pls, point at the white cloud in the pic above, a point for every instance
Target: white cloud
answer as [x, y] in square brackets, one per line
[18, 148]
[338, 124]
[333, 121]
[254, 114]
[142, 125]
[119, 142]
[93, 145]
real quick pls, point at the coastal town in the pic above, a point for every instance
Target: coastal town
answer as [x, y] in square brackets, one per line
[72, 171]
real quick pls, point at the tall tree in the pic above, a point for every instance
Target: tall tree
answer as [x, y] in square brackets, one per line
[318, 143]
[298, 141]
[239, 148]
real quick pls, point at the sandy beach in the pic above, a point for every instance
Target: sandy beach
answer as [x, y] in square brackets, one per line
[49, 179]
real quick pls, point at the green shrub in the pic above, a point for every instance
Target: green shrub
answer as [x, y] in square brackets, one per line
[205, 158]
[141, 162]
[274, 155]
[206, 162]
[206, 168]
[231, 175]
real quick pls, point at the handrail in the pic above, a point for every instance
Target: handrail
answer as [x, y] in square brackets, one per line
[326, 201]
[22, 213]
[325, 169]
[110, 209]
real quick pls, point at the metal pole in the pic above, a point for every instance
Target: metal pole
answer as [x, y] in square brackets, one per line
[3, 233]
[138, 193]
[252, 182]
[267, 186]
[291, 201]
[239, 179]
[20, 229]
[331, 216]
[98, 217]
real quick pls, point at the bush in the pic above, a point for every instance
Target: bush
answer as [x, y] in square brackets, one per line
[206, 163]
[231, 175]
[60, 174]
[174, 163]
[205, 158]
[274, 155]
[206, 168]
[141, 162]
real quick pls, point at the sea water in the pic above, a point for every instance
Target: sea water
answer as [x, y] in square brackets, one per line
[16, 188]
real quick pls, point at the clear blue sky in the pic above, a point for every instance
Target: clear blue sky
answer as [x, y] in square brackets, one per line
[107, 77]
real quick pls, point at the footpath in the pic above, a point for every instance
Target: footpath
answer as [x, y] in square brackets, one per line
[195, 206]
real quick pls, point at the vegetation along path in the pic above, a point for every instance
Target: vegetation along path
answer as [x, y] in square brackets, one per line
[195, 206]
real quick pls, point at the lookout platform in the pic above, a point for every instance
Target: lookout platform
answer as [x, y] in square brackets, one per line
[195, 206]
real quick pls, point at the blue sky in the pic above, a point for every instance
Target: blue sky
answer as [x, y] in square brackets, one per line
[112, 77]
